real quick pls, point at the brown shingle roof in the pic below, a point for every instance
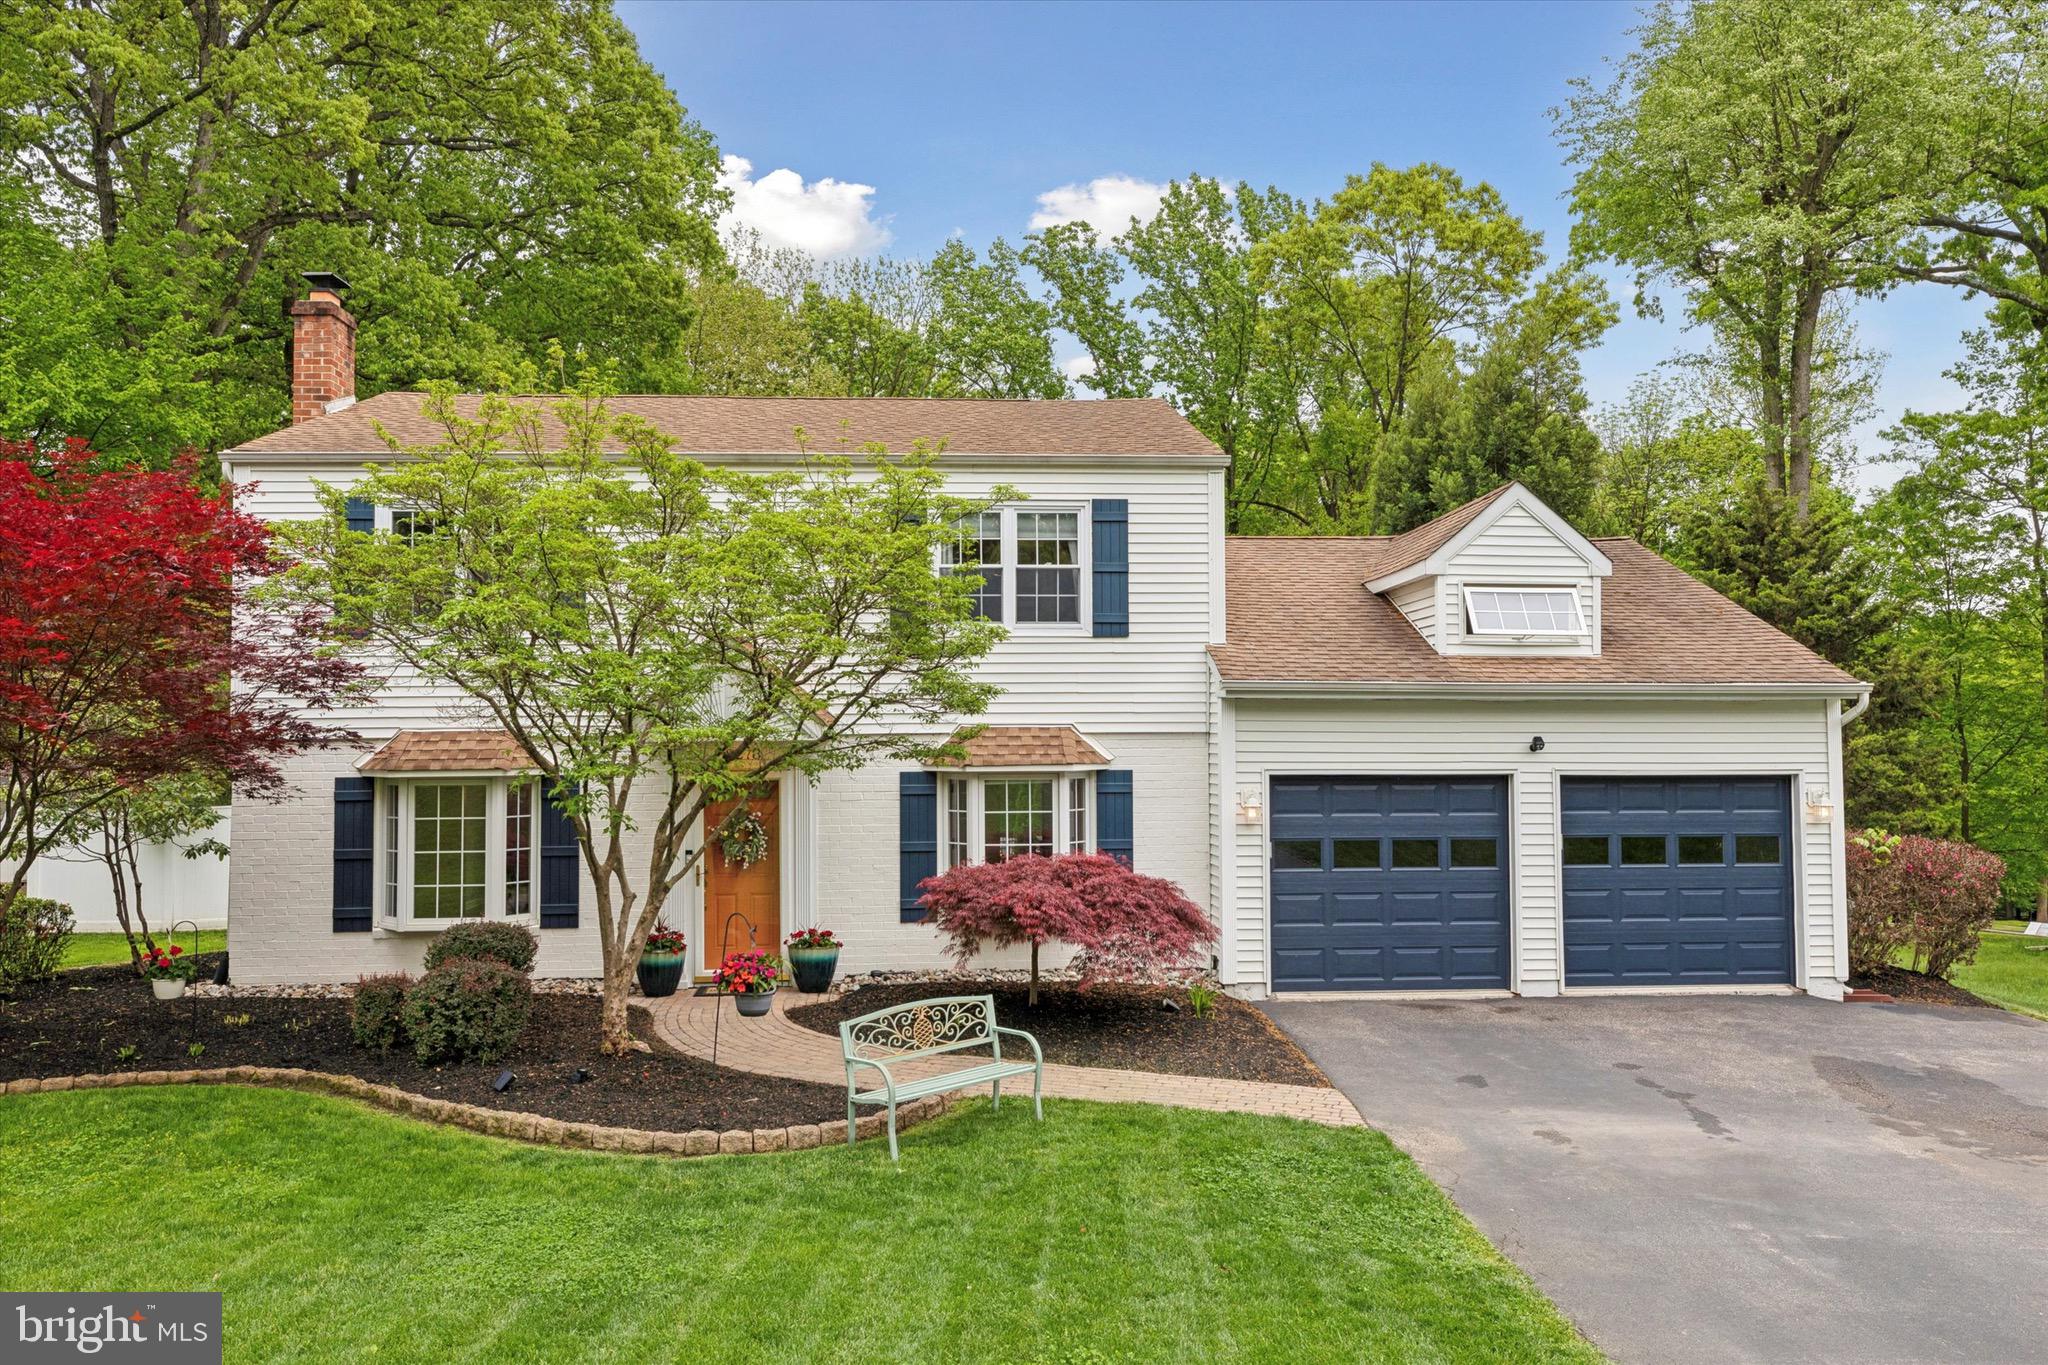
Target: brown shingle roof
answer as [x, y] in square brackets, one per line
[1299, 612]
[448, 751]
[703, 425]
[1413, 546]
[1029, 746]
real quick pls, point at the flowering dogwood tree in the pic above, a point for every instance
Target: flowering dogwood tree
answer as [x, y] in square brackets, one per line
[1129, 927]
[118, 637]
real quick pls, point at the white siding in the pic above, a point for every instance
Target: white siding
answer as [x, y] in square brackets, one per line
[1581, 738]
[1418, 601]
[1176, 608]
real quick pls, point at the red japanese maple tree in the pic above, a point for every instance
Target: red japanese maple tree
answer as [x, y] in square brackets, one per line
[119, 634]
[1129, 927]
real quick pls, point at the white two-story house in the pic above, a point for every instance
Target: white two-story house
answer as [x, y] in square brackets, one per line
[1487, 755]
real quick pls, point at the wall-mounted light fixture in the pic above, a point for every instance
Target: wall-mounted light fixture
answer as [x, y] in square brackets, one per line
[1536, 745]
[1820, 807]
[1251, 807]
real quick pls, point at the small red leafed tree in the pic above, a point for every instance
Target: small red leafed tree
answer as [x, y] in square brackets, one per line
[118, 638]
[1918, 903]
[1128, 927]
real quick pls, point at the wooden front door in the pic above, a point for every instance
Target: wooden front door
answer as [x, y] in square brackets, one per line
[754, 891]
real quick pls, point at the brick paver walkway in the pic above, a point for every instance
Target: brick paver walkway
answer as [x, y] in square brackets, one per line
[774, 1046]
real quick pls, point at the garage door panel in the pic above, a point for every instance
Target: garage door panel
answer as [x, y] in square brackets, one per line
[1714, 907]
[1378, 904]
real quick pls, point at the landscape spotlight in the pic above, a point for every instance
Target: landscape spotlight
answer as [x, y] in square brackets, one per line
[504, 1082]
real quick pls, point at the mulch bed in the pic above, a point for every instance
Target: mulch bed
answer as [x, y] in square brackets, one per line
[1918, 988]
[76, 1025]
[1125, 1027]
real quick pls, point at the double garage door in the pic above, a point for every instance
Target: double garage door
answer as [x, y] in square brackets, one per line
[1402, 883]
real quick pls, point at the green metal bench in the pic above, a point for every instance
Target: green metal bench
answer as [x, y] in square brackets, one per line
[932, 1028]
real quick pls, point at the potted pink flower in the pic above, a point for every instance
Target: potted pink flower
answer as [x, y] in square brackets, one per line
[750, 978]
[813, 958]
[168, 971]
[660, 968]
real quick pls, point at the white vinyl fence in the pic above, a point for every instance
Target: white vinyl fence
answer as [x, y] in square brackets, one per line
[174, 887]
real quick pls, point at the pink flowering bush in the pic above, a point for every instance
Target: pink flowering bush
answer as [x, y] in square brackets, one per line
[1129, 927]
[1918, 902]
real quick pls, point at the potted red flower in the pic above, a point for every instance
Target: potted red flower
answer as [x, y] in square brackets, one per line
[168, 969]
[813, 958]
[750, 978]
[661, 961]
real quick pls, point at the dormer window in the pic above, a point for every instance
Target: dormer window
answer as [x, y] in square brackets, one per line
[1516, 612]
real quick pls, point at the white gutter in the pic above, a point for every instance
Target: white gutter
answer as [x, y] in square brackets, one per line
[1700, 691]
[1862, 705]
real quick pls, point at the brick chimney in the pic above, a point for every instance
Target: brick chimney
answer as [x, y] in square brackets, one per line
[323, 350]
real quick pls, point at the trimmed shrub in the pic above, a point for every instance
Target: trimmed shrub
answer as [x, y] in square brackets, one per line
[486, 940]
[1918, 903]
[376, 1014]
[467, 1010]
[33, 933]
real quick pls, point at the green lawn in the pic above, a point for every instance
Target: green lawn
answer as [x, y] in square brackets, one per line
[2010, 970]
[97, 950]
[1109, 1233]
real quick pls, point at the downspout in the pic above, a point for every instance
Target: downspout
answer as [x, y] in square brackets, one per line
[1838, 831]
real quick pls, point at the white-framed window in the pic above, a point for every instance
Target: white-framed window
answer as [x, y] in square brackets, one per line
[458, 848]
[993, 817]
[1523, 611]
[1033, 562]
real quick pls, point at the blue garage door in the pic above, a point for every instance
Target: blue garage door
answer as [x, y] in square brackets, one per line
[1389, 883]
[1677, 882]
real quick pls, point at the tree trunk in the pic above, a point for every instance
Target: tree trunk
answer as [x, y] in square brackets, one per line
[1031, 997]
[614, 1031]
[1799, 433]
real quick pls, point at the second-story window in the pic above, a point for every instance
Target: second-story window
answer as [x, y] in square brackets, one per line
[1032, 562]
[1048, 567]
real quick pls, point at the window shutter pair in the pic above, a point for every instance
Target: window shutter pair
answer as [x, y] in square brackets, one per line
[917, 813]
[355, 865]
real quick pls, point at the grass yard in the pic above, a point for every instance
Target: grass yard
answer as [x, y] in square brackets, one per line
[100, 950]
[2010, 970]
[1110, 1233]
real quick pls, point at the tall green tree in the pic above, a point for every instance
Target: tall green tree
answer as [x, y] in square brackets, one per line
[492, 176]
[1178, 304]
[1815, 578]
[1520, 415]
[1658, 462]
[1384, 277]
[1969, 537]
[1766, 156]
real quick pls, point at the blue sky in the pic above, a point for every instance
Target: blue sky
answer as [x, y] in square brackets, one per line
[892, 126]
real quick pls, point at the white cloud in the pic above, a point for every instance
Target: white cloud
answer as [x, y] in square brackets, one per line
[825, 218]
[1109, 202]
[1078, 367]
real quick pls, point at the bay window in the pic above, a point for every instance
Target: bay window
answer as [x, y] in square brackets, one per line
[1032, 561]
[998, 816]
[458, 848]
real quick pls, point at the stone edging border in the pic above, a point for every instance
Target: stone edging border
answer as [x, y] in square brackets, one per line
[505, 1123]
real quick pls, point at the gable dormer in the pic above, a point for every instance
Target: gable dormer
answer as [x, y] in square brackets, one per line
[1503, 576]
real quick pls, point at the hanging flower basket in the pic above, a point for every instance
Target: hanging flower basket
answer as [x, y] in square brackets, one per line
[744, 840]
[168, 970]
[750, 978]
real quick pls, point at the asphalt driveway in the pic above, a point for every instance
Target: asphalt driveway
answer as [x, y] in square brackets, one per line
[1731, 1178]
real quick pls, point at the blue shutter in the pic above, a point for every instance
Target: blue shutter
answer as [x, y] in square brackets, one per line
[362, 515]
[1112, 552]
[355, 854]
[917, 835]
[561, 866]
[1113, 833]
